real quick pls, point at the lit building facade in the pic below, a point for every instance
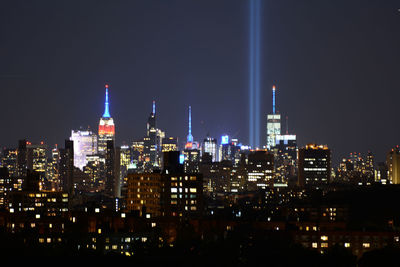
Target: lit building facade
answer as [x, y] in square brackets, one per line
[273, 124]
[285, 158]
[210, 146]
[393, 165]
[85, 143]
[144, 193]
[260, 170]
[152, 142]
[9, 161]
[170, 144]
[314, 165]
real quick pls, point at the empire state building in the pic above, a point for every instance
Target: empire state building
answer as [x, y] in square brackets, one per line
[106, 127]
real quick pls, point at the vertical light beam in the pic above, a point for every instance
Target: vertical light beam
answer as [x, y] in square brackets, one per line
[254, 72]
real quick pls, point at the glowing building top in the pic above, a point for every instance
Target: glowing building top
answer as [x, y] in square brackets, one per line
[106, 127]
[190, 136]
[190, 144]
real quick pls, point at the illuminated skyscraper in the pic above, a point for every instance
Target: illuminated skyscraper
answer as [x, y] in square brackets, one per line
[393, 165]
[9, 161]
[170, 144]
[106, 127]
[210, 147]
[273, 124]
[36, 158]
[285, 158]
[314, 165]
[229, 150]
[152, 142]
[85, 143]
[260, 169]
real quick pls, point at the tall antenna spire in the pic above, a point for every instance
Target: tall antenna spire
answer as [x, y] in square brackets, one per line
[154, 107]
[190, 136]
[106, 109]
[287, 125]
[273, 99]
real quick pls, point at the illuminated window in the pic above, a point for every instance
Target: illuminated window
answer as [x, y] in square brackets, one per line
[314, 245]
[324, 238]
[324, 245]
[366, 245]
[346, 245]
[193, 190]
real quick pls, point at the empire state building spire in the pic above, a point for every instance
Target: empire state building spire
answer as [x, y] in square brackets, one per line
[106, 109]
[190, 136]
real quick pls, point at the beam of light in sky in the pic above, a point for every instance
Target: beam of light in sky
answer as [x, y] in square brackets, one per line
[254, 72]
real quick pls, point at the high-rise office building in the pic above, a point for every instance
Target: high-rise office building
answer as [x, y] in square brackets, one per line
[85, 143]
[66, 167]
[285, 158]
[152, 142]
[106, 127]
[210, 146]
[169, 144]
[144, 193]
[393, 165]
[37, 158]
[260, 169]
[169, 193]
[182, 193]
[273, 123]
[314, 165]
[22, 160]
[9, 161]
[229, 150]
[112, 170]
[53, 174]
[191, 160]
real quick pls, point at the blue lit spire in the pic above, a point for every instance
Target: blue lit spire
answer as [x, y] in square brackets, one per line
[190, 136]
[154, 107]
[273, 99]
[106, 110]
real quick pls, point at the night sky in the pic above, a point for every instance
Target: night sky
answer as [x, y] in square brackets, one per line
[336, 65]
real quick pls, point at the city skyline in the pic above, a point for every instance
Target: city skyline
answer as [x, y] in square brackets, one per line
[359, 93]
[200, 133]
